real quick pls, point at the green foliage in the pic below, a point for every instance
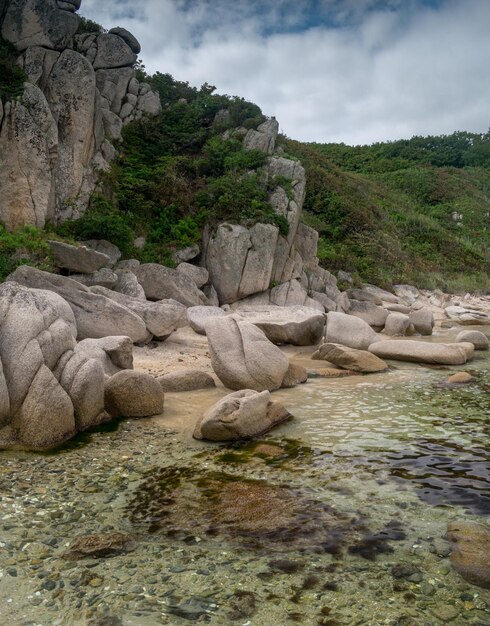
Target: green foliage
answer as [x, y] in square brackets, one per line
[102, 221]
[12, 77]
[25, 246]
[89, 26]
[387, 212]
[176, 172]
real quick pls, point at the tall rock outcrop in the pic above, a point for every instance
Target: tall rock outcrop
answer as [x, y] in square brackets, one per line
[258, 264]
[80, 91]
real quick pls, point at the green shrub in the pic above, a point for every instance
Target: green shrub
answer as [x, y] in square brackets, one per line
[12, 77]
[89, 26]
[25, 246]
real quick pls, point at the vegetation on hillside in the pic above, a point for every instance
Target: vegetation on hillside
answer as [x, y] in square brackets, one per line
[12, 76]
[414, 210]
[176, 172]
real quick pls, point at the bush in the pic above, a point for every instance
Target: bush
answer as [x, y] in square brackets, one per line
[25, 246]
[12, 77]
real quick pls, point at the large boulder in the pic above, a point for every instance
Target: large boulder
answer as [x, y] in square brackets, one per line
[161, 283]
[349, 330]
[104, 277]
[242, 357]
[77, 258]
[48, 390]
[161, 318]
[296, 325]
[105, 247]
[264, 138]
[113, 52]
[39, 23]
[476, 337]
[407, 293]
[470, 542]
[423, 321]
[96, 316]
[198, 316]
[350, 358]
[198, 275]
[133, 394]
[240, 415]
[396, 324]
[364, 295]
[372, 314]
[382, 294]
[128, 284]
[113, 353]
[186, 380]
[422, 352]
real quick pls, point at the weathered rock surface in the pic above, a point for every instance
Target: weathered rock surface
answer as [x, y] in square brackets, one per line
[396, 324]
[476, 337]
[58, 135]
[421, 352]
[198, 316]
[160, 318]
[161, 283]
[464, 315]
[296, 325]
[350, 358]
[372, 314]
[423, 321]
[240, 415]
[128, 284]
[198, 275]
[133, 394]
[113, 353]
[49, 391]
[242, 357]
[470, 542]
[296, 375]
[96, 316]
[98, 546]
[77, 258]
[264, 138]
[104, 277]
[105, 247]
[349, 330]
[186, 380]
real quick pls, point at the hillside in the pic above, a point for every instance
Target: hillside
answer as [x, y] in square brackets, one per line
[170, 161]
[414, 210]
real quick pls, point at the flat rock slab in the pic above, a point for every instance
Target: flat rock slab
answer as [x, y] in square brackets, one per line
[422, 352]
[77, 258]
[296, 325]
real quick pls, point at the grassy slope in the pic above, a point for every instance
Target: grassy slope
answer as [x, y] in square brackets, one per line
[390, 220]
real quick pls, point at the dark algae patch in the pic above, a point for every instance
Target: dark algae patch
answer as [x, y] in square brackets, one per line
[259, 515]
[274, 453]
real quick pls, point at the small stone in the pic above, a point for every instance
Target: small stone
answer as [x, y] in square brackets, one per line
[49, 585]
[445, 612]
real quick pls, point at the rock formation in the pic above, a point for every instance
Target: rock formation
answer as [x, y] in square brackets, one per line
[80, 91]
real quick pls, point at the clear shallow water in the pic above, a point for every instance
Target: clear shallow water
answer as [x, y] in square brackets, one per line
[305, 526]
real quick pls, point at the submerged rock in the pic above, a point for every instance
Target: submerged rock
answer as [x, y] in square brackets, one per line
[349, 358]
[470, 542]
[99, 545]
[240, 415]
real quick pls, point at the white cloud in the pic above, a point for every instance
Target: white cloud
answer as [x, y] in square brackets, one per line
[379, 73]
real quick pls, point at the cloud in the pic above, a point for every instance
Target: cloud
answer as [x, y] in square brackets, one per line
[355, 71]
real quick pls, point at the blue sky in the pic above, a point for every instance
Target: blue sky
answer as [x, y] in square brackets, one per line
[356, 71]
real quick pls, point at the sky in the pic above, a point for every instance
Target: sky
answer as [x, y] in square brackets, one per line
[351, 71]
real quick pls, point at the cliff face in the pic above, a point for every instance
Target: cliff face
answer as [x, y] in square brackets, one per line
[80, 91]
